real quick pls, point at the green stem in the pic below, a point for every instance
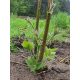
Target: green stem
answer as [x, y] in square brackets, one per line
[41, 54]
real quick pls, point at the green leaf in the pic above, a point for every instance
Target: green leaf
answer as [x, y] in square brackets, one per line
[28, 45]
[50, 53]
[33, 64]
[25, 44]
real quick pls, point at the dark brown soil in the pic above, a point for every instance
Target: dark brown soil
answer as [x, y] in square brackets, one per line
[57, 69]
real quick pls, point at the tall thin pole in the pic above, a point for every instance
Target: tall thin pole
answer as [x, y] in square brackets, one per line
[37, 25]
[41, 54]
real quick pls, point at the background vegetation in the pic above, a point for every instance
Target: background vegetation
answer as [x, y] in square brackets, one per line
[21, 10]
[28, 7]
[60, 20]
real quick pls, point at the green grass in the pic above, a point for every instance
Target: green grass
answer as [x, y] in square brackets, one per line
[61, 20]
[20, 26]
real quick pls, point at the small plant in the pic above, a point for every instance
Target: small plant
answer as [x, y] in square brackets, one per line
[35, 66]
[32, 63]
[41, 53]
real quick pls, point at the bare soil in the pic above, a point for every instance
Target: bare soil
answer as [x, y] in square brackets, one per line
[57, 69]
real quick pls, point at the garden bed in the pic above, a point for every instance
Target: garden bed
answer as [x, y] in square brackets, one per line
[57, 69]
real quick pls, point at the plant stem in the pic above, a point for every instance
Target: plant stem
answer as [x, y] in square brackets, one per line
[41, 54]
[37, 25]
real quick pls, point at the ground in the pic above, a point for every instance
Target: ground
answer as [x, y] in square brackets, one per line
[21, 30]
[57, 69]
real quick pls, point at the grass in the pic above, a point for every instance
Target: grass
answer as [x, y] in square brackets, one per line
[61, 20]
[19, 26]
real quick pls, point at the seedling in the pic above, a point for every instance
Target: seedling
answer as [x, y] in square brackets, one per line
[35, 66]
[41, 53]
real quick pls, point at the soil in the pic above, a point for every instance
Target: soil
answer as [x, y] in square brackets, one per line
[58, 69]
